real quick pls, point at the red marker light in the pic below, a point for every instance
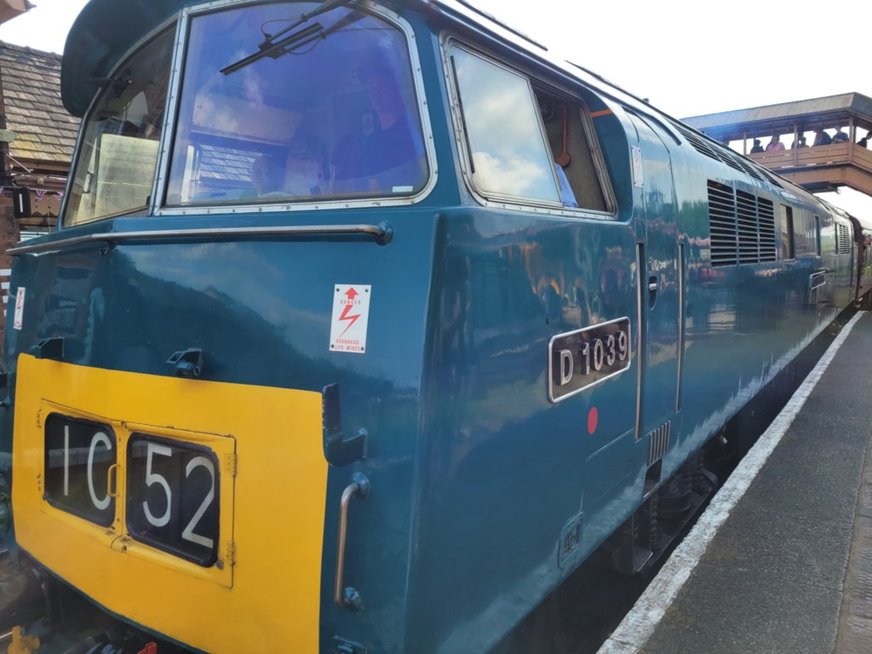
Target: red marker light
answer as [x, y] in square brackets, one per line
[592, 420]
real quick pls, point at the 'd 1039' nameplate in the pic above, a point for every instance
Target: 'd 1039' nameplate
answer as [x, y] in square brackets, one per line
[587, 356]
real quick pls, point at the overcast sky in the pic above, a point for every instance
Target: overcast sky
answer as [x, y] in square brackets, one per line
[690, 57]
[687, 57]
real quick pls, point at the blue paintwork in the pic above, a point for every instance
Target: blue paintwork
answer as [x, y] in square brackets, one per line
[474, 473]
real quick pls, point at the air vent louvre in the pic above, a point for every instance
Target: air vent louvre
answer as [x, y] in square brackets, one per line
[772, 179]
[725, 155]
[748, 168]
[699, 143]
[766, 217]
[658, 442]
[747, 227]
[732, 163]
[742, 226]
[722, 221]
[843, 242]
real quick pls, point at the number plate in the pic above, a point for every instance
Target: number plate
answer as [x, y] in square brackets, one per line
[173, 498]
[78, 457]
[587, 356]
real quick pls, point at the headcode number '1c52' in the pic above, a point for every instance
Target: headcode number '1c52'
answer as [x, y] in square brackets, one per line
[80, 457]
[172, 490]
[173, 497]
[584, 357]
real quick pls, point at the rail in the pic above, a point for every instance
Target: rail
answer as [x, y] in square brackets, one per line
[381, 234]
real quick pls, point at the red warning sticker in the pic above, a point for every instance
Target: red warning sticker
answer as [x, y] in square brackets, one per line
[350, 318]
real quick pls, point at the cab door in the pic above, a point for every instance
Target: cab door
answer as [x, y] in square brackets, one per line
[660, 295]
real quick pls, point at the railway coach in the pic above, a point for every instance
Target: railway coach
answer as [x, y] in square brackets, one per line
[366, 323]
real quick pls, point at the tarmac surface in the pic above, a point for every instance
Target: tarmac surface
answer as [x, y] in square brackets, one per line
[781, 561]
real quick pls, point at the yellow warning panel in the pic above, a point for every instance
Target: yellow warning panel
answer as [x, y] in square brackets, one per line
[183, 505]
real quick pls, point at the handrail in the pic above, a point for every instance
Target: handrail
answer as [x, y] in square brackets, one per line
[381, 234]
[347, 597]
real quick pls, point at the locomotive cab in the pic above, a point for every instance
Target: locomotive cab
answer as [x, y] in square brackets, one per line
[191, 403]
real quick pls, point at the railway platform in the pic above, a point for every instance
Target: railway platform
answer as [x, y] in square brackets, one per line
[781, 561]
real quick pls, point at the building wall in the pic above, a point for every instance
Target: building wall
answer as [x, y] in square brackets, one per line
[37, 137]
[9, 236]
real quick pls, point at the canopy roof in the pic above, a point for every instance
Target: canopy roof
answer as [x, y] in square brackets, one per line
[9, 9]
[107, 29]
[831, 111]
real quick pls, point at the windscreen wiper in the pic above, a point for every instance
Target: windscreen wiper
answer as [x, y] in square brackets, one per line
[271, 47]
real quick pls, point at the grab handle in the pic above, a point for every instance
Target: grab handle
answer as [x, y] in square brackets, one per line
[347, 598]
[112, 480]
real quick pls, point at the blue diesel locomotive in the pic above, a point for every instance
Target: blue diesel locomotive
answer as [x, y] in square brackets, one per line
[367, 322]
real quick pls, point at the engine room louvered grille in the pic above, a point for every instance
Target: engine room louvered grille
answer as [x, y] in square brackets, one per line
[843, 240]
[732, 163]
[729, 157]
[698, 142]
[742, 226]
[722, 222]
[766, 221]
[748, 168]
[749, 237]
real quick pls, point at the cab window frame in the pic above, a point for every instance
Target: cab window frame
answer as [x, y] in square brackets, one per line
[169, 27]
[537, 86]
[178, 24]
[264, 205]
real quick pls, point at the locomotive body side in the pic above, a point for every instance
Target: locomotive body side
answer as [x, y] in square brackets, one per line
[516, 489]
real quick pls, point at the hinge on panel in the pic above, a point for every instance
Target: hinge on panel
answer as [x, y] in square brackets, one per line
[39, 418]
[230, 555]
[230, 464]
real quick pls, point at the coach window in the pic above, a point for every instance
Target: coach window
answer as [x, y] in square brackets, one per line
[508, 155]
[787, 231]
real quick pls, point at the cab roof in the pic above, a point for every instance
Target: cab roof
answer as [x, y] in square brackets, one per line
[102, 34]
[107, 29]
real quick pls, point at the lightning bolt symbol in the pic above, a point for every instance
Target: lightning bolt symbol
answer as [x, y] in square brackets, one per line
[345, 316]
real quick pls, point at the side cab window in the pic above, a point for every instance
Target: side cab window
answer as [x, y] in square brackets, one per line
[507, 155]
[568, 129]
[523, 145]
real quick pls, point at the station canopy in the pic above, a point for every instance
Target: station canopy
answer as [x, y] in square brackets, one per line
[817, 166]
[9, 9]
[787, 117]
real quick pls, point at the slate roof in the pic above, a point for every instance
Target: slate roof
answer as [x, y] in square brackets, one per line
[31, 91]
